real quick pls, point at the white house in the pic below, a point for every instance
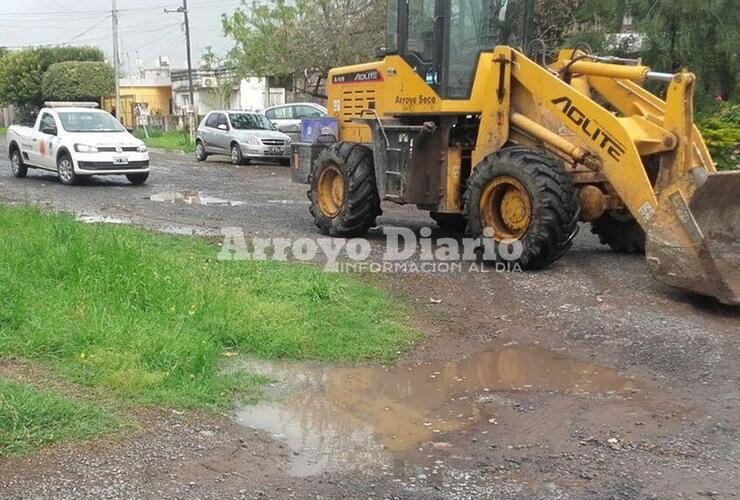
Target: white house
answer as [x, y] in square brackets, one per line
[220, 89]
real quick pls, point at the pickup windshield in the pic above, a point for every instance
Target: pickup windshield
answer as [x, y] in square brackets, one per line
[89, 121]
[247, 121]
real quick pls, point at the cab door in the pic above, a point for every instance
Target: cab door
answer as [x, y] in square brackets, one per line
[43, 152]
[421, 40]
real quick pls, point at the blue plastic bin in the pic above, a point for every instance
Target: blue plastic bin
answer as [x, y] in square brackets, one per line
[312, 128]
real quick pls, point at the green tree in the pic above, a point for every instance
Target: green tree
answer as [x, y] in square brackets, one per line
[78, 81]
[225, 79]
[22, 72]
[701, 36]
[289, 38]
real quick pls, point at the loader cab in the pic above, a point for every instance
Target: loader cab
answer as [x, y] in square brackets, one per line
[443, 39]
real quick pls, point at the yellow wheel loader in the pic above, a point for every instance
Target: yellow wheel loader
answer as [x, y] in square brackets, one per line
[454, 119]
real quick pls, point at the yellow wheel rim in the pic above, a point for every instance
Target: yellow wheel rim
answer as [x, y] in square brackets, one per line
[331, 191]
[506, 207]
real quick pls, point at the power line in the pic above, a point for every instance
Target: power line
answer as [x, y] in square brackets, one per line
[98, 12]
[51, 44]
[88, 30]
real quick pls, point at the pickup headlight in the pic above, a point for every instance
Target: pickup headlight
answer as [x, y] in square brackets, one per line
[142, 148]
[84, 148]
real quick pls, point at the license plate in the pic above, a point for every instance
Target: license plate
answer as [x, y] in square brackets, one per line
[120, 161]
[275, 151]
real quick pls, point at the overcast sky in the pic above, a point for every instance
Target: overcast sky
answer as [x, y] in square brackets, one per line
[146, 32]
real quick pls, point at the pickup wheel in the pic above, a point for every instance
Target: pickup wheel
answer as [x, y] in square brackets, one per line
[16, 164]
[138, 179]
[66, 170]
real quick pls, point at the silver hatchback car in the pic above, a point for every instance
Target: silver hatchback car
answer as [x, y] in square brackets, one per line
[244, 136]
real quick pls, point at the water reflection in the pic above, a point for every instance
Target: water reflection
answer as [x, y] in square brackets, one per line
[335, 418]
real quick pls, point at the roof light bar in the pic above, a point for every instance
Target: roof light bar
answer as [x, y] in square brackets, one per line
[62, 104]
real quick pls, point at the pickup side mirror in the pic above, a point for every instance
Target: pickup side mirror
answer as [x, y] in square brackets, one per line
[49, 130]
[223, 126]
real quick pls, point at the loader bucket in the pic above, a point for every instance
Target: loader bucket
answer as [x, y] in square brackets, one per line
[694, 241]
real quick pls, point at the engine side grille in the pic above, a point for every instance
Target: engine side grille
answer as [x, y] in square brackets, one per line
[354, 102]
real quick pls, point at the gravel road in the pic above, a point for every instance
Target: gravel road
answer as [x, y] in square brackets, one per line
[675, 434]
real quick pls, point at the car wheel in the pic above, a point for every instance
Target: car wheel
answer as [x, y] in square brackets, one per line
[138, 179]
[16, 164]
[236, 155]
[200, 152]
[66, 170]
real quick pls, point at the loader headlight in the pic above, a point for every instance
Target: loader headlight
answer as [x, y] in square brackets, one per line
[84, 148]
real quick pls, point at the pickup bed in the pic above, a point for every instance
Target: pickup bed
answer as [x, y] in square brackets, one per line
[77, 142]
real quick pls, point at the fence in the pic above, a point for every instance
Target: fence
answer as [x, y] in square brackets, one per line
[169, 123]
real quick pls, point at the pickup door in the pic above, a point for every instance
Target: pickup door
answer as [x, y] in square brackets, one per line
[43, 153]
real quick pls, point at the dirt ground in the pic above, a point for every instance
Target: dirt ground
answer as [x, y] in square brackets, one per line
[607, 384]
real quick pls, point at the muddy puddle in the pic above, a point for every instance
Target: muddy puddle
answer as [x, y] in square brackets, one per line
[194, 198]
[335, 418]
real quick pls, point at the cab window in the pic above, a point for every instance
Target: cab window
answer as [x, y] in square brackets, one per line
[476, 27]
[284, 113]
[392, 23]
[421, 29]
[307, 112]
[47, 122]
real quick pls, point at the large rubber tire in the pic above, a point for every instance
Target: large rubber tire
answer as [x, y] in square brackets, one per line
[200, 151]
[620, 232]
[361, 203]
[138, 179]
[450, 222]
[17, 167]
[65, 170]
[553, 218]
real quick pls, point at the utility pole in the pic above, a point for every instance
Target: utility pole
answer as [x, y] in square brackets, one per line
[114, 15]
[184, 11]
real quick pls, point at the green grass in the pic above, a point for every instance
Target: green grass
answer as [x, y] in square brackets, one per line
[3, 131]
[152, 318]
[170, 141]
[30, 418]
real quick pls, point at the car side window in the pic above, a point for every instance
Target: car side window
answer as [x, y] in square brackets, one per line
[212, 121]
[47, 122]
[284, 113]
[222, 120]
[270, 114]
[308, 112]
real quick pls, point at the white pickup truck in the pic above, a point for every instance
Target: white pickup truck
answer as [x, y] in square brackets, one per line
[76, 140]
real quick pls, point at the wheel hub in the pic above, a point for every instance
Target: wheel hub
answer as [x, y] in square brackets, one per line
[506, 208]
[331, 191]
[65, 170]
